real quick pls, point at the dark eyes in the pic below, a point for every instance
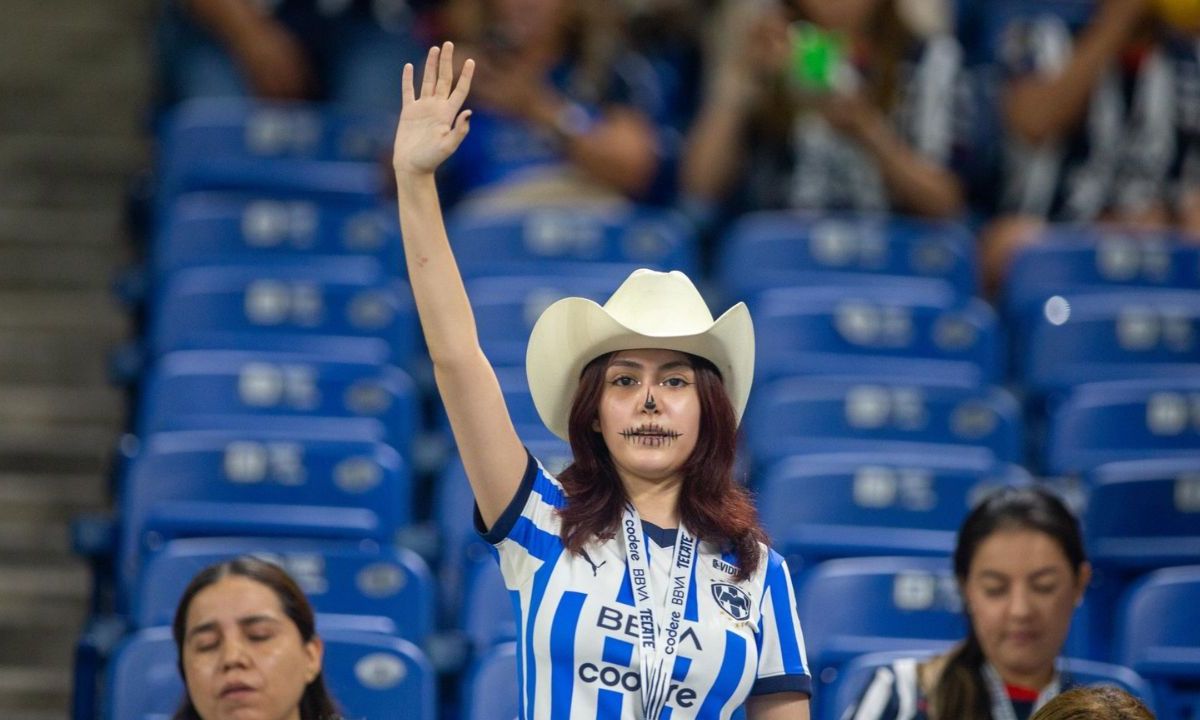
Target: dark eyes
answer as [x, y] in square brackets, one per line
[627, 381]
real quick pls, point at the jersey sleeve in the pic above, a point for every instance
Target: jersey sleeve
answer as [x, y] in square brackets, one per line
[782, 663]
[526, 533]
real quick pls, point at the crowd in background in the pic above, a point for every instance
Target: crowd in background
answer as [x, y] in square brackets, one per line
[1005, 114]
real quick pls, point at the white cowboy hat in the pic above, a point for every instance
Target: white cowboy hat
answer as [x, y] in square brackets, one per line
[661, 310]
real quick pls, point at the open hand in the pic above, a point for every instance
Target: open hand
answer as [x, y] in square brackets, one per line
[433, 125]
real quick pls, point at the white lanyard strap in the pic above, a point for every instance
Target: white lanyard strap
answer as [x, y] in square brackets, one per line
[1002, 708]
[657, 639]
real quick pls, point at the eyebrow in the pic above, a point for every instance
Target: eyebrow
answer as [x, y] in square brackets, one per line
[211, 626]
[673, 365]
[1036, 574]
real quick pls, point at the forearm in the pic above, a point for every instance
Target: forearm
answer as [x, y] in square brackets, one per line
[233, 21]
[620, 150]
[1038, 108]
[914, 183]
[711, 158]
[445, 311]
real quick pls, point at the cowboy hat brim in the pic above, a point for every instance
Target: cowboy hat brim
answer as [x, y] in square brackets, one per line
[574, 331]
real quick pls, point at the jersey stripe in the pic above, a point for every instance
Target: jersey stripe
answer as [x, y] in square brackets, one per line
[562, 639]
[727, 679]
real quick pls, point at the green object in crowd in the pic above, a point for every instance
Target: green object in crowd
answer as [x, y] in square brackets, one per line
[816, 57]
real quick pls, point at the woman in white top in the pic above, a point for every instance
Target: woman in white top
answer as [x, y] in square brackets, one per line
[639, 576]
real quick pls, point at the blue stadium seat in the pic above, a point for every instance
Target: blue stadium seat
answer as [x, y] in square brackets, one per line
[210, 228]
[817, 507]
[249, 144]
[487, 615]
[1073, 260]
[490, 691]
[328, 483]
[506, 307]
[210, 390]
[857, 673]
[348, 307]
[1129, 334]
[1139, 515]
[514, 384]
[780, 249]
[352, 585]
[488, 241]
[899, 603]
[1160, 638]
[876, 330]
[800, 416]
[370, 676]
[1119, 420]
[1144, 514]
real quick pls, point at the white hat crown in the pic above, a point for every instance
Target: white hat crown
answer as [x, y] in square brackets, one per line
[660, 310]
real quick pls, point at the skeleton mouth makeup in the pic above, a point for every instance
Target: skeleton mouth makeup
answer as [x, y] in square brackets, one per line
[651, 435]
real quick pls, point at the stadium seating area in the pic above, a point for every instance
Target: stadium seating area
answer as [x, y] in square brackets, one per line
[283, 407]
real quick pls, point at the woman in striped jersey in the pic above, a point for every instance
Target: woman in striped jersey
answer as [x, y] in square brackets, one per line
[639, 576]
[1022, 571]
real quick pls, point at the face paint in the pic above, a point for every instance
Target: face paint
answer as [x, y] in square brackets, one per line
[650, 435]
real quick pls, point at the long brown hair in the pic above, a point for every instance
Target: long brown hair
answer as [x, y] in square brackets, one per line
[712, 504]
[316, 702]
[959, 692]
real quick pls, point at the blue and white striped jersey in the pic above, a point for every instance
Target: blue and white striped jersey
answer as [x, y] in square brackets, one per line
[577, 634]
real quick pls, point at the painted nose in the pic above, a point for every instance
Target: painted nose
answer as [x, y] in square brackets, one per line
[649, 405]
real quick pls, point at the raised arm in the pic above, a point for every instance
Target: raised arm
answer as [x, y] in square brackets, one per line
[431, 128]
[1039, 108]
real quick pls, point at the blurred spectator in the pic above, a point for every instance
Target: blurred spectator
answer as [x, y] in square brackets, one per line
[561, 106]
[1096, 97]
[349, 52]
[859, 106]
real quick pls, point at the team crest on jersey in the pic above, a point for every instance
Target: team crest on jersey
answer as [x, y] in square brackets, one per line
[732, 600]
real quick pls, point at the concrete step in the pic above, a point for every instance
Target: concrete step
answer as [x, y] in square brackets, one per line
[68, 171]
[62, 358]
[50, 497]
[59, 405]
[91, 311]
[48, 267]
[79, 449]
[34, 693]
[100, 227]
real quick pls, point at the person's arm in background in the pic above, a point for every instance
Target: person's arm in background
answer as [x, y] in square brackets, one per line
[1039, 107]
[619, 147]
[915, 183]
[432, 126]
[752, 50]
[273, 59]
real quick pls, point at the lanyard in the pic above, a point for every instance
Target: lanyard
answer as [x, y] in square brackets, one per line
[657, 639]
[1002, 708]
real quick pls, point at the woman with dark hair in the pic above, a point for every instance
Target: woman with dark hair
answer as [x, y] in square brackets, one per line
[1022, 571]
[639, 577]
[248, 646]
[1100, 702]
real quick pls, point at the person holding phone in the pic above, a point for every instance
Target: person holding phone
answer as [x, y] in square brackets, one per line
[639, 575]
[829, 106]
